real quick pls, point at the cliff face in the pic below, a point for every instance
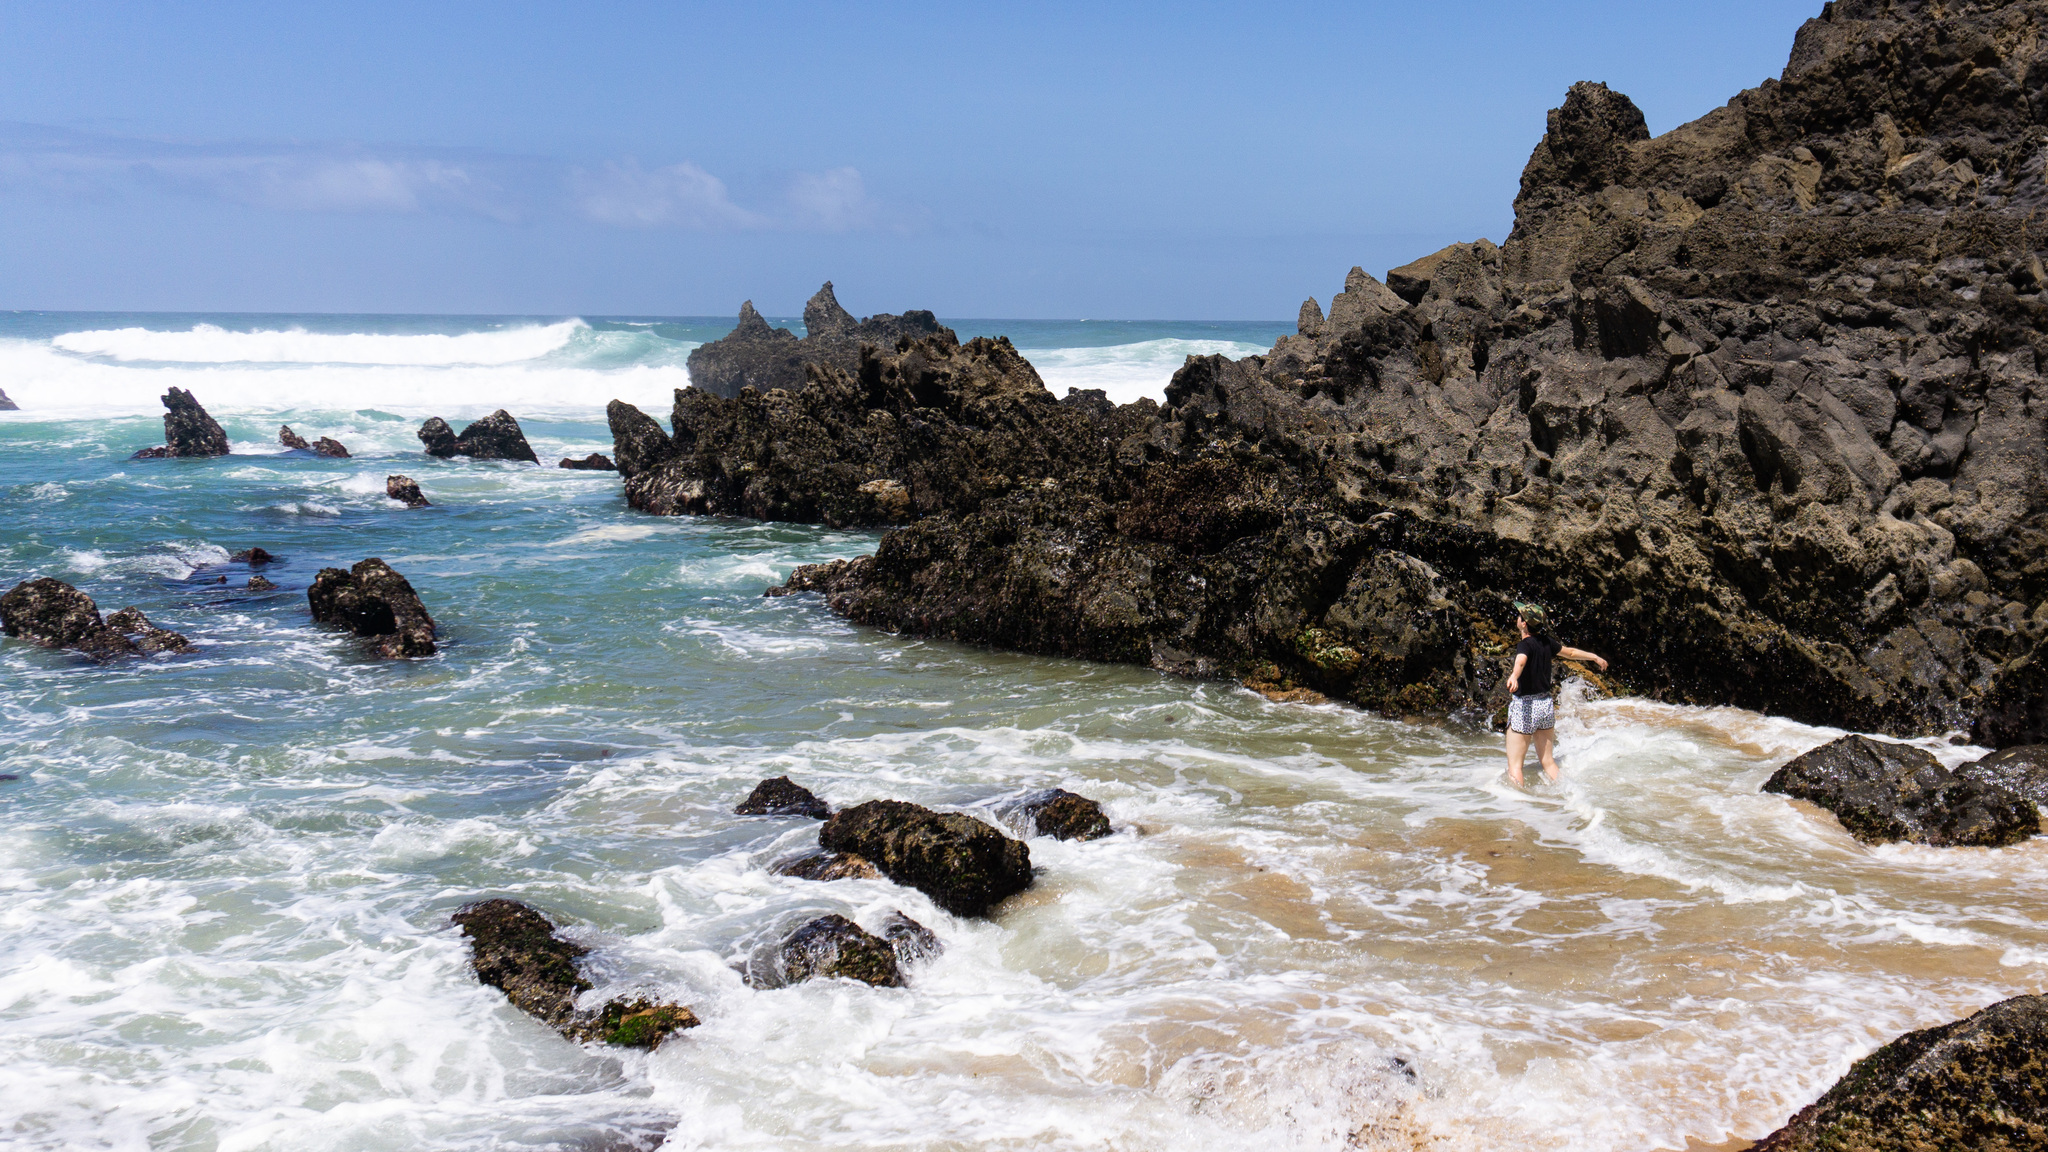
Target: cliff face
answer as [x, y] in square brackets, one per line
[1755, 407]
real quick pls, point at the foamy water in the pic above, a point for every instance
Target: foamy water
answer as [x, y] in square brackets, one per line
[228, 875]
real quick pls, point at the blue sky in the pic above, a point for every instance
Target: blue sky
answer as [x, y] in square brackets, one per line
[1197, 161]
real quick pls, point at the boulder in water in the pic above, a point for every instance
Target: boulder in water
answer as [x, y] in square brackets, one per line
[912, 941]
[495, 437]
[374, 601]
[51, 613]
[595, 462]
[966, 866]
[781, 797]
[252, 557]
[259, 584]
[2022, 770]
[1883, 792]
[1978, 1083]
[7, 405]
[148, 637]
[1060, 814]
[514, 949]
[291, 439]
[332, 449]
[188, 430]
[833, 946]
[405, 490]
[637, 440]
[821, 865]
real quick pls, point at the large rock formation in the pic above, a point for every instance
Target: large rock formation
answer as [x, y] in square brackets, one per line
[755, 355]
[1978, 1083]
[928, 425]
[495, 437]
[188, 430]
[1753, 407]
[374, 601]
[514, 949]
[51, 613]
[964, 865]
[1883, 792]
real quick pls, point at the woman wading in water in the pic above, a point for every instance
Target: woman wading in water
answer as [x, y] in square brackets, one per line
[1532, 710]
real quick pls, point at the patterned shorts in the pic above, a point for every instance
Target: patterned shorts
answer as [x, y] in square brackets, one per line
[1528, 714]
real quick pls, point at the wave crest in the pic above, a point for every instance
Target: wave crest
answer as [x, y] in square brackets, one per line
[211, 344]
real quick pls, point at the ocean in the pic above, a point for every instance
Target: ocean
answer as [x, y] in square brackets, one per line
[225, 878]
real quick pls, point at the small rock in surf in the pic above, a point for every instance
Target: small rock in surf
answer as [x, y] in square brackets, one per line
[819, 864]
[1884, 792]
[51, 613]
[406, 491]
[252, 557]
[778, 796]
[833, 946]
[495, 437]
[2023, 770]
[188, 430]
[595, 462]
[966, 866]
[1058, 813]
[373, 601]
[515, 949]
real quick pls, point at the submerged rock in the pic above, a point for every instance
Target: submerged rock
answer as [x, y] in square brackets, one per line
[514, 949]
[1884, 792]
[148, 637]
[51, 613]
[778, 796]
[755, 355]
[495, 437]
[1978, 1083]
[1060, 814]
[252, 557]
[914, 943]
[966, 866]
[833, 946]
[819, 864]
[188, 430]
[406, 491]
[259, 584]
[2022, 770]
[595, 462]
[374, 601]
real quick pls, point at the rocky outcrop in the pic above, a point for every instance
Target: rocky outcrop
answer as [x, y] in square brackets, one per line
[1057, 813]
[833, 946]
[595, 462]
[406, 491]
[964, 865]
[779, 796]
[188, 430]
[2021, 770]
[1978, 1083]
[928, 425]
[373, 601]
[755, 355]
[1751, 406]
[324, 446]
[54, 614]
[495, 437]
[1883, 792]
[7, 405]
[514, 949]
[253, 557]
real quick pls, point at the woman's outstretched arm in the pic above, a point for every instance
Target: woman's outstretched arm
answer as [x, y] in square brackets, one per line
[1579, 654]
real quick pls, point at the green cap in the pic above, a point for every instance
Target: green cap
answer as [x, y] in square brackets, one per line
[1533, 613]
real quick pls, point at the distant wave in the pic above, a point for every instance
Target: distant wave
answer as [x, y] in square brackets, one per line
[210, 344]
[1126, 372]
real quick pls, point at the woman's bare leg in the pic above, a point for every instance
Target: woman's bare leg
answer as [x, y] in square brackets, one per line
[1518, 747]
[1546, 743]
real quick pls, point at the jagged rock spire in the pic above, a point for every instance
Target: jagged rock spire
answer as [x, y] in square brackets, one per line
[824, 317]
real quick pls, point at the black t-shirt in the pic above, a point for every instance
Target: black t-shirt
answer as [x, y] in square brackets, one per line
[1535, 679]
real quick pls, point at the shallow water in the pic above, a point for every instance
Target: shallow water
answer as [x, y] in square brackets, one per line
[228, 875]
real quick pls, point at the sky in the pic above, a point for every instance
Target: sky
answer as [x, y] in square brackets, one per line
[1131, 161]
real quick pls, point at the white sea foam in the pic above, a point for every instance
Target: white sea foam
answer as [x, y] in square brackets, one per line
[210, 344]
[1126, 372]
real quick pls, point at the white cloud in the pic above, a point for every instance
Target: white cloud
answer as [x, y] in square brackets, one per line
[678, 196]
[831, 201]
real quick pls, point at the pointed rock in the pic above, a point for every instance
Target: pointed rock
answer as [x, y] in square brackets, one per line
[824, 317]
[373, 601]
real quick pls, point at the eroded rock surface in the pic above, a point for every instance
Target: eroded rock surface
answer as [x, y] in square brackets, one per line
[495, 437]
[514, 949]
[1752, 407]
[1883, 792]
[374, 601]
[2022, 770]
[49, 612]
[833, 946]
[966, 866]
[780, 796]
[188, 430]
[406, 491]
[1978, 1083]
[756, 355]
[147, 637]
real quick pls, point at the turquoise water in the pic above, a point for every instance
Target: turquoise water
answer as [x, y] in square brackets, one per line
[227, 876]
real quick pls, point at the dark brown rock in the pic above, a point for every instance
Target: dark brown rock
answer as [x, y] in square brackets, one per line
[514, 949]
[7, 405]
[821, 865]
[406, 491]
[1058, 813]
[778, 796]
[373, 601]
[755, 355]
[188, 430]
[595, 462]
[495, 437]
[131, 622]
[259, 584]
[1883, 792]
[1978, 1083]
[637, 440]
[2022, 770]
[964, 865]
[291, 439]
[330, 448]
[51, 613]
[252, 557]
[913, 942]
[833, 946]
